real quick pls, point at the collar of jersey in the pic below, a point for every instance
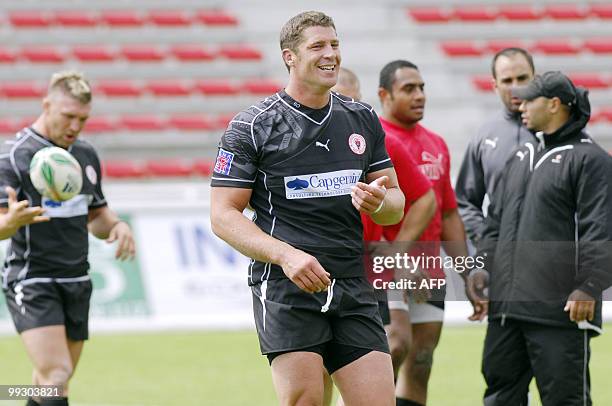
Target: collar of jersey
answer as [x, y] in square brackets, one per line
[397, 129]
[306, 111]
[41, 138]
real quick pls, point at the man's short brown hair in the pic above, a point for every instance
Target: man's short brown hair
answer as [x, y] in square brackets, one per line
[71, 83]
[291, 33]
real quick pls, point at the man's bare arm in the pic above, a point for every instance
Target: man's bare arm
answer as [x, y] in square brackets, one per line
[229, 224]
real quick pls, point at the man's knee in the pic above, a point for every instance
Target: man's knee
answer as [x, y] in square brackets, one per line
[422, 362]
[399, 347]
[57, 375]
[303, 397]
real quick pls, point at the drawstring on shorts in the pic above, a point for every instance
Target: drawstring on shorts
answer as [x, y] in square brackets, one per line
[330, 296]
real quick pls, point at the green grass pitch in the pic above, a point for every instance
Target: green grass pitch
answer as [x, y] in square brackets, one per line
[225, 369]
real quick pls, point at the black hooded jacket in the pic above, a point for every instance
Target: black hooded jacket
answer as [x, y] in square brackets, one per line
[549, 228]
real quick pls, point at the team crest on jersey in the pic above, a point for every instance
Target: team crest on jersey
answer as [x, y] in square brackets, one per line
[357, 143]
[224, 162]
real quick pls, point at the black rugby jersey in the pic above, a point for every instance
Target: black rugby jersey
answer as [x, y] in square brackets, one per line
[57, 248]
[301, 164]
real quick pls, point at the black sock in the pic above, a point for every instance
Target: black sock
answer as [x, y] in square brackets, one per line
[406, 402]
[32, 402]
[55, 402]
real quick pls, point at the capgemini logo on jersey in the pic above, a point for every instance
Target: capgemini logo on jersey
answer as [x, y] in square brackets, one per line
[297, 184]
[326, 184]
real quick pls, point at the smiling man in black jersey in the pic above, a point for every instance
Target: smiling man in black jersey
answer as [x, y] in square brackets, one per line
[308, 162]
[45, 277]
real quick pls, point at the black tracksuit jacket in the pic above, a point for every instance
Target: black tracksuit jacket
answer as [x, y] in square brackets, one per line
[549, 229]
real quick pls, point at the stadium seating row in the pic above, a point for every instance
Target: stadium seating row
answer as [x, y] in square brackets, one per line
[132, 53]
[599, 46]
[180, 122]
[179, 168]
[119, 18]
[156, 168]
[519, 13]
[128, 88]
[592, 81]
[100, 124]
[603, 115]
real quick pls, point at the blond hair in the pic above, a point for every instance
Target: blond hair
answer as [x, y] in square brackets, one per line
[71, 83]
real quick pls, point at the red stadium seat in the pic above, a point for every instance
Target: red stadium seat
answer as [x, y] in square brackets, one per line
[100, 125]
[75, 19]
[497, 45]
[429, 15]
[24, 122]
[565, 12]
[141, 53]
[224, 119]
[216, 87]
[7, 56]
[29, 19]
[122, 88]
[240, 53]
[93, 53]
[216, 18]
[42, 55]
[589, 80]
[189, 53]
[168, 88]
[8, 126]
[519, 13]
[483, 83]
[122, 18]
[474, 14]
[142, 123]
[168, 168]
[461, 48]
[604, 115]
[169, 18]
[122, 169]
[599, 45]
[555, 47]
[194, 122]
[261, 86]
[603, 11]
[203, 167]
[22, 90]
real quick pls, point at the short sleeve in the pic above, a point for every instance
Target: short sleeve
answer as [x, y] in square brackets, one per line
[411, 180]
[98, 196]
[236, 163]
[8, 177]
[380, 158]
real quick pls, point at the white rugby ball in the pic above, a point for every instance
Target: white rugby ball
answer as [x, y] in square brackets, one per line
[56, 174]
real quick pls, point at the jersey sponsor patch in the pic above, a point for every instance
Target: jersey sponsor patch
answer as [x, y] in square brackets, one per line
[224, 162]
[77, 206]
[91, 173]
[327, 184]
